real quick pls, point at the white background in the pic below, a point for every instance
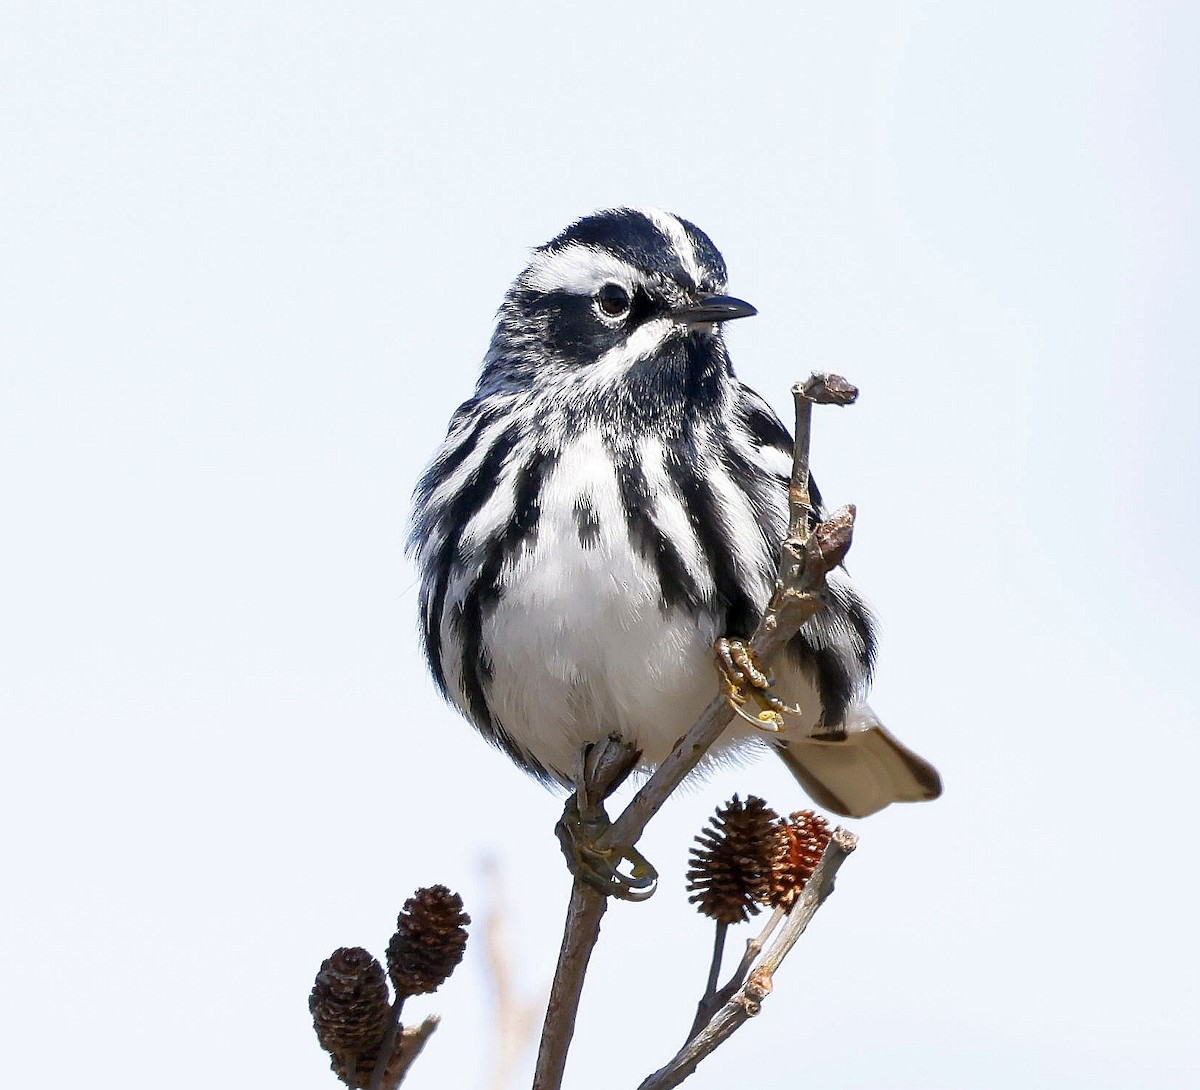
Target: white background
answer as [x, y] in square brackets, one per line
[250, 257]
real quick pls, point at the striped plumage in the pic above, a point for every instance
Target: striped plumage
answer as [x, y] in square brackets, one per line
[608, 504]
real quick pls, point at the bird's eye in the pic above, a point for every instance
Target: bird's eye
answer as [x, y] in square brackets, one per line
[613, 300]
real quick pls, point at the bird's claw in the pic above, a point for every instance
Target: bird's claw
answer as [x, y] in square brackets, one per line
[742, 680]
[579, 835]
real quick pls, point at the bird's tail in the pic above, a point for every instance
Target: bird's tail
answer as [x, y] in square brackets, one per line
[862, 772]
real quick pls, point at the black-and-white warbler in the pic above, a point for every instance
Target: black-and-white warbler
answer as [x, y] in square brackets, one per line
[609, 503]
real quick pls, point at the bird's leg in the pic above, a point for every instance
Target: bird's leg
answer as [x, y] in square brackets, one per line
[742, 680]
[618, 871]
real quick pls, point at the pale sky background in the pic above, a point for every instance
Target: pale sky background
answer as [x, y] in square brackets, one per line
[250, 256]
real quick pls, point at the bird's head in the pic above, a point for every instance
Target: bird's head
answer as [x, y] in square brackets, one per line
[619, 299]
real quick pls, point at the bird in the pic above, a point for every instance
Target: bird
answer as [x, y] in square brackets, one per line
[609, 504]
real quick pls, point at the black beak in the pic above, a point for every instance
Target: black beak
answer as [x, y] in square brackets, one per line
[712, 308]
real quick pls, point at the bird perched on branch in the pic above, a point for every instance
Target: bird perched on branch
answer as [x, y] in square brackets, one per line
[608, 505]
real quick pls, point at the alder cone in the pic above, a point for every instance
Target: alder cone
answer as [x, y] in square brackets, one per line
[733, 860]
[349, 1006]
[429, 941]
[806, 836]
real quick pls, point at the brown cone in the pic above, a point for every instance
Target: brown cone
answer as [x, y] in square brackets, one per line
[805, 835]
[349, 1005]
[732, 866]
[429, 941]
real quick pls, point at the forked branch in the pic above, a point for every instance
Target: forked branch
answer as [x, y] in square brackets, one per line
[747, 1000]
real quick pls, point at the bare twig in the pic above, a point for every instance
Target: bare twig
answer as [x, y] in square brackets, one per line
[806, 558]
[718, 955]
[754, 948]
[601, 767]
[703, 1008]
[714, 998]
[747, 1001]
[587, 908]
[816, 891]
[388, 1048]
[819, 389]
[412, 1041]
[401, 1046]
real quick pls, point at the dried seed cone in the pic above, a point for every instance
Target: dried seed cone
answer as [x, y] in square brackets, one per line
[349, 1005]
[732, 865]
[429, 941]
[805, 836]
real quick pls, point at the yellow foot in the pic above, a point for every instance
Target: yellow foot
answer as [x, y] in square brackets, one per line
[743, 681]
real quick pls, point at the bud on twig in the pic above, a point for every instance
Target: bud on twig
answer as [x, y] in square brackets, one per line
[731, 869]
[429, 941]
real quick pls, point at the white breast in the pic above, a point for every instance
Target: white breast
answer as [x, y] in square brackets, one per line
[578, 642]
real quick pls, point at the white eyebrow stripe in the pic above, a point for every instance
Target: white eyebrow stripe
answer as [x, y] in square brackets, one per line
[670, 226]
[579, 270]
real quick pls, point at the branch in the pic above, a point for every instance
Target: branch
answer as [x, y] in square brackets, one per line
[714, 971]
[747, 1001]
[412, 1041]
[714, 998]
[807, 555]
[401, 1046]
[820, 389]
[600, 769]
[584, 913]
[388, 1050]
[815, 894]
